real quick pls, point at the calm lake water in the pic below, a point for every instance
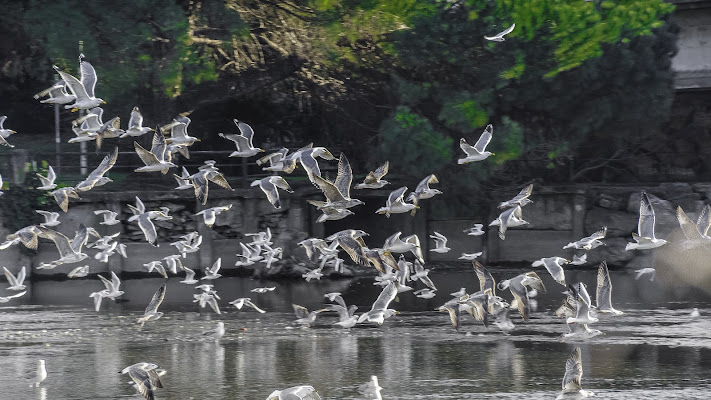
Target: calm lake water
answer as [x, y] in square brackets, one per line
[655, 350]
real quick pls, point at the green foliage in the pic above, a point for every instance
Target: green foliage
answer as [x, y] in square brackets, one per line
[410, 139]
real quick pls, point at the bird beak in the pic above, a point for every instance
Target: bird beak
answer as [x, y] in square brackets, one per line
[103, 101]
[493, 154]
[75, 109]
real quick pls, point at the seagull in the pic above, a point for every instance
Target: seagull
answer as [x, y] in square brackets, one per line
[152, 313]
[245, 301]
[352, 242]
[604, 291]
[379, 310]
[582, 314]
[57, 94]
[695, 314]
[209, 215]
[374, 179]
[79, 272]
[303, 392]
[307, 157]
[109, 217]
[269, 186]
[135, 125]
[425, 293]
[478, 151]
[83, 90]
[475, 230]
[41, 373]
[304, 317]
[212, 273]
[112, 286]
[590, 242]
[145, 222]
[263, 289]
[16, 282]
[183, 180]
[158, 266]
[156, 159]
[499, 37]
[646, 271]
[179, 132]
[470, 256]
[423, 191]
[644, 237]
[579, 260]
[5, 133]
[69, 251]
[410, 243]
[332, 214]
[395, 203]
[509, 219]
[207, 173]
[518, 285]
[189, 277]
[440, 243]
[208, 296]
[422, 274]
[520, 199]
[62, 195]
[243, 141]
[371, 389]
[572, 378]
[146, 376]
[346, 316]
[553, 265]
[48, 181]
[216, 333]
[50, 218]
[96, 177]
[278, 161]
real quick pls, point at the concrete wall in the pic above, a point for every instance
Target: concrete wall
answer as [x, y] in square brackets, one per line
[692, 63]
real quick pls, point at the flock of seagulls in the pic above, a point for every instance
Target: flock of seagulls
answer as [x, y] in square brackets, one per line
[400, 262]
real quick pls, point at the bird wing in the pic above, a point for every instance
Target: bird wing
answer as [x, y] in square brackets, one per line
[80, 238]
[425, 183]
[75, 86]
[281, 183]
[148, 229]
[61, 241]
[330, 190]
[690, 229]
[507, 30]
[382, 170]
[10, 277]
[521, 295]
[158, 146]
[604, 287]
[143, 382]
[136, 119]
[555, 269]
[271, 191]
[219, 179]
[249, 303]
[704, 221]
[573, 372]
[104, 166]
[353, 248]
[300, 311]
[201, 187]
[246, 131]
[146, 156]
[486, 281]
[484, 139]
[645, 226]
[345, 176]
[396, 195]
[87, 76]
[156, 300]
[387, 295]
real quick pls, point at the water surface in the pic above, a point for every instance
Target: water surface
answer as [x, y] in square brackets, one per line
[655, 350]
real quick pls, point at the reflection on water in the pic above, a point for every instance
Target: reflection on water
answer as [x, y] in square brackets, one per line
[654, 350]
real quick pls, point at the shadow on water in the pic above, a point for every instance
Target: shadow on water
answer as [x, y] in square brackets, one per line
[654, 350]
